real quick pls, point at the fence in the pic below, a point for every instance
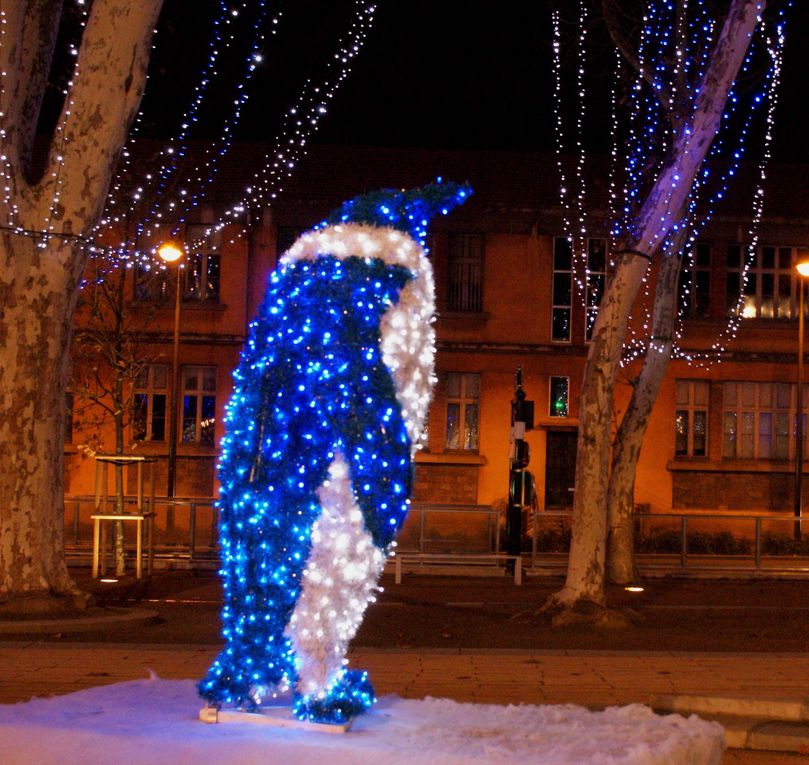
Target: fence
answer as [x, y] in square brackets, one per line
[692, 544]
[185, 534]
[184, 530]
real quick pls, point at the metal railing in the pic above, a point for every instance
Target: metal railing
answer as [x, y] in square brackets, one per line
[183, 529]
[698, 544]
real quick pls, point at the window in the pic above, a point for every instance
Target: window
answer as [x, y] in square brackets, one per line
[202, 266]
[769, 291]
[199, 404]
[558, 405]
[695, 282]
[154, 283]
[149, 415]
[562, 290]
[465, 277]
[596, 280]
[691, 418]
[463, 395]
[758, 420]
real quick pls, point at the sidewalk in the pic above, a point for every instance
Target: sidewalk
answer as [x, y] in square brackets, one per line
[463, 638]
[590, 678]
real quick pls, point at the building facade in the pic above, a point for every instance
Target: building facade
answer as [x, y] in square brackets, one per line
[511, 292]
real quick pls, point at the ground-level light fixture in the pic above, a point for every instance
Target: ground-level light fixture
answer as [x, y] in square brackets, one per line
[634, 588]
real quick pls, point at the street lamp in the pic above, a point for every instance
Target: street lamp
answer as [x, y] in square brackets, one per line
[802, 269]
[171, 252]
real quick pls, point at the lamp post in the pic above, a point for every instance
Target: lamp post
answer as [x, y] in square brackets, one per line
[170, 252]
[802, 269]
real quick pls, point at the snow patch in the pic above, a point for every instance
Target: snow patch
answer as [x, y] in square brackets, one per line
[155, 722]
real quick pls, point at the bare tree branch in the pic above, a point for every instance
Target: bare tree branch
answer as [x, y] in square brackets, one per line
[622, 42]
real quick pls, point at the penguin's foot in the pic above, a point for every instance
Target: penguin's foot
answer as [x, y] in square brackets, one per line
[351, 695]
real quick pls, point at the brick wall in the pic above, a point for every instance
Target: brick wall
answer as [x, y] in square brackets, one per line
[446, 484]
[732, 491]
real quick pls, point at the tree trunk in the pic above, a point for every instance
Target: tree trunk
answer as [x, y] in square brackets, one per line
[586, 562]
[628, 442]
[43, 258]
[658, 214]
[36, 304]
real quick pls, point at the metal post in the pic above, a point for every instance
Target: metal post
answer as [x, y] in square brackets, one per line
[799, 418]
[522, 420]
[175, 403]
[683, 542]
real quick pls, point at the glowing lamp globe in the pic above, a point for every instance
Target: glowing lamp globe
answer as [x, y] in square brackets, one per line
[170, 252]
[802, 267]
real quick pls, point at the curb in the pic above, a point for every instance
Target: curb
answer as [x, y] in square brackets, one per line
[115, 618]
[777, 725]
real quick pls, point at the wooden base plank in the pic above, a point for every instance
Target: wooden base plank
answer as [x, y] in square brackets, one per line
[277, 717]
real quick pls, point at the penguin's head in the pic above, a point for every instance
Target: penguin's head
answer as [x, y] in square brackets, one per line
[390, 226]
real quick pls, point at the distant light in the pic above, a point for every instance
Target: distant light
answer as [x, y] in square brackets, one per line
[109, 580]
[634, 588]
[170, 252]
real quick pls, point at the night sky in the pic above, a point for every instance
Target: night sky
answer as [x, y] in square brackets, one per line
[433, 73]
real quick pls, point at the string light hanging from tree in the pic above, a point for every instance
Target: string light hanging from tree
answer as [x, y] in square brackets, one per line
[299, 122]
[673, 50]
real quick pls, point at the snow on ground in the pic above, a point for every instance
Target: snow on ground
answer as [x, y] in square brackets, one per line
[156, 722]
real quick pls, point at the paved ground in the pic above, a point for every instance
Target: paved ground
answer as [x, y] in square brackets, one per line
[531, 674]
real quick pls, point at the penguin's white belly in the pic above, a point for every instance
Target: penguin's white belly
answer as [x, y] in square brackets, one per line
[339, 580]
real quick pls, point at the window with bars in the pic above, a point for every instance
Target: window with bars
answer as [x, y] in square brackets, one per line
[199, 404]
[149, 416]
[465, 273]
[759, 420]
[695, 282]
[770, 291]
[562, 290]
[462, 400]
[203, 264]
[691, 418]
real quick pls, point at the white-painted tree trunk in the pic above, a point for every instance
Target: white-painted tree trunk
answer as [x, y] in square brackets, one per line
[586, 564]
[39, 277]
[629, 440]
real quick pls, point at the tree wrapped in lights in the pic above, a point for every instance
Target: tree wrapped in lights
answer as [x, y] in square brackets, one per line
[79, 104]
[330, 399]
[691, 87]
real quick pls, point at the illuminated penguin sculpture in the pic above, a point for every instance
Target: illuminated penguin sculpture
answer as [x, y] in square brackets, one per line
[330, 398]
